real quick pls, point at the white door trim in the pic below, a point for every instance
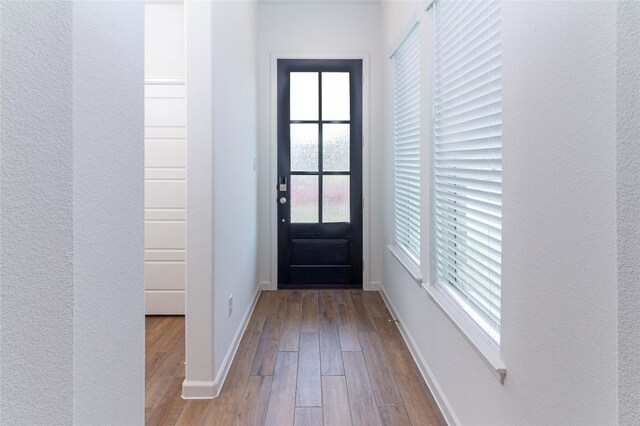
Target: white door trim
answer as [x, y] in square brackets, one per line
[273, 149]
[200, 249]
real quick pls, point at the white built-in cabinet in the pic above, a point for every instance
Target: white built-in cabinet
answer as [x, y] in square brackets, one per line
[165, 163]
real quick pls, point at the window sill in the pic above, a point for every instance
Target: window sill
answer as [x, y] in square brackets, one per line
[488, 352]
[408, 264]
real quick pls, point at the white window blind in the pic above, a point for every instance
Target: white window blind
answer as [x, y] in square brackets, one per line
[467, 177]
[406, 95]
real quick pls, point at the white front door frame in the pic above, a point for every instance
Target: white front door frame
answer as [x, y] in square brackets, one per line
[273, 149]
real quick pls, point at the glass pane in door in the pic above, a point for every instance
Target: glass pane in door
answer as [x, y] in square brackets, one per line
[304, 96]
[335, 199]
[335, 96]
[304, 147]
[335, 147]
[304, 199]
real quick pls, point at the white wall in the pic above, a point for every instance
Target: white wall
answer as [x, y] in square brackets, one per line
[222, 190]
[108, 212]
[71, 221]
[234, 73]
[628, 182]
[313, 28]
[559, 215]
[36, 340]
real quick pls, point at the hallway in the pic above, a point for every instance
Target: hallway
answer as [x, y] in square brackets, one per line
[307, 358]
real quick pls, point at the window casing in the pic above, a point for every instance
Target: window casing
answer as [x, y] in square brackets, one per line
[406, 118]
[467, 158]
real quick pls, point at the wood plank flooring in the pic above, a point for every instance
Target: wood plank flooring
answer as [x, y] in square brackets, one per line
[308, 357]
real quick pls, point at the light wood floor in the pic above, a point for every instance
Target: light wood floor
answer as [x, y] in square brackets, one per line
[307, 357]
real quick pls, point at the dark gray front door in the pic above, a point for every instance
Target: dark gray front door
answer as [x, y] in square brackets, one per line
[319, 173]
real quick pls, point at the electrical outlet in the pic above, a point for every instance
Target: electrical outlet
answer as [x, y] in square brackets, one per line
[230, 305]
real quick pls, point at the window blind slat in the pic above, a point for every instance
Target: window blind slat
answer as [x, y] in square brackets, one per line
[482, 53]
[483, 120]
[491, 213]
[461, 17]
[492, 197]
[493, 234]
[472, 260]
[406, 90]
[469, 39]
[481, 220]
[468, 278]
[406, 135]
[455, 166]
[487, 79]
[471, 296]
[490, 238]
[475, 175]
[469, 94]
[487, 302]
[471, 153]
[475, 250]
[478, 99]
[406, 82]
[467, 159]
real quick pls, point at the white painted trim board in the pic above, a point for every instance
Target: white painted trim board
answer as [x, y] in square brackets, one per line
[209, 390]
[273, 150]
[438, 394]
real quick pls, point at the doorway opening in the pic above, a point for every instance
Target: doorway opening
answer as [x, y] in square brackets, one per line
[165, 158]
[165, 139]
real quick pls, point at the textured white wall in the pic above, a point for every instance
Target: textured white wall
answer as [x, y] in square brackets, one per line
[108, 52]
[559, 215]
[559, 258]
[36, 224]
[628, 182]
[318, 28]
[71, 221]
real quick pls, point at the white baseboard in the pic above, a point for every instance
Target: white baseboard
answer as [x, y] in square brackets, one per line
[267, 286]
[192, 389]
[373, 286]
[228, 359]
[210, 390]
[439, 396]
